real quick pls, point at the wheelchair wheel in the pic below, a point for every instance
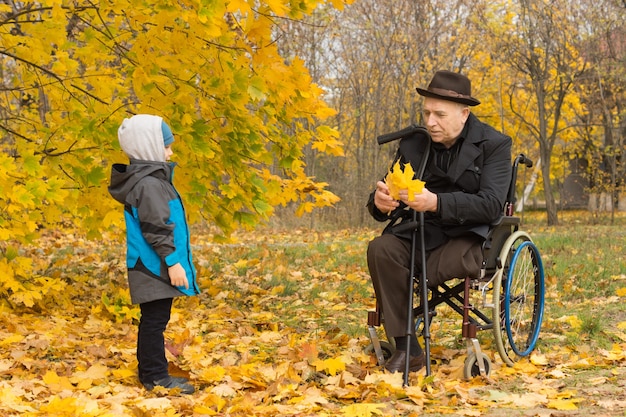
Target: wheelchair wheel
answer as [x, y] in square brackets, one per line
[472, 369]
[518, 292]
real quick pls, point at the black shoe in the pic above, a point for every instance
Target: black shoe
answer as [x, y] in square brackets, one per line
[180, 379]
[397, 362]
[171, 383]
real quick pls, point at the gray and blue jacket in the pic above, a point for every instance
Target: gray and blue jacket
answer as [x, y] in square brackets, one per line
[156, 229]
[157, 233]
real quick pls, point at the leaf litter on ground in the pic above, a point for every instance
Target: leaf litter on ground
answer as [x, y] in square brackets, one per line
[279, 330]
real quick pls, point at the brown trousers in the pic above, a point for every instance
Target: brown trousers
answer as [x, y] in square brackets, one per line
[388, 260]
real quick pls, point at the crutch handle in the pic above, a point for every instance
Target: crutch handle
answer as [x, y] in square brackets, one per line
[388, 137]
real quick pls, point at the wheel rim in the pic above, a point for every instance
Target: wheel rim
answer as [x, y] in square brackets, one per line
[507, 337]
[524, 298]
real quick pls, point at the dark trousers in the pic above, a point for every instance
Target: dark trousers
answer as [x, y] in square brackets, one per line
[150, 340]
[388, 260]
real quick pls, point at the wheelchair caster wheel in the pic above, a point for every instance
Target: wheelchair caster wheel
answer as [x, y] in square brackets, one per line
[386, 347]
[471, 368]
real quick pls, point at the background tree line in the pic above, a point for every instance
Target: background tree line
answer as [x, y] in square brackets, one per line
[276, 105]
[243, 83]
[549, 73]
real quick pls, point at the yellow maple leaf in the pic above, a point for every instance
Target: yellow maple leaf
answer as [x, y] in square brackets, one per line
[564, 404]
[538, 359]
[123, 373]
[621, 292]
[398, 180]
[331, 365]
[56, 382]
[362, 410]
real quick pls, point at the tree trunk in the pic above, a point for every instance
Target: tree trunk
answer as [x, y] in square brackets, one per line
[551, 209]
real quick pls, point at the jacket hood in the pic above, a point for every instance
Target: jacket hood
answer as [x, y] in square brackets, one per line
[141, 137]
[125, 177]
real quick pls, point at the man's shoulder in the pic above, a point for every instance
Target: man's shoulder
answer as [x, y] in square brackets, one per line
[481, 131]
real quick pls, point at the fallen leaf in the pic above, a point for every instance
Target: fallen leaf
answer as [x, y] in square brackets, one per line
[362, 410]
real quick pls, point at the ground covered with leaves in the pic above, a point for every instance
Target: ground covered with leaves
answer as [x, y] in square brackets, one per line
[280, 330]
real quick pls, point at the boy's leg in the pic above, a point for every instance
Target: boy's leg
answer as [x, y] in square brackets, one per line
[150, 340]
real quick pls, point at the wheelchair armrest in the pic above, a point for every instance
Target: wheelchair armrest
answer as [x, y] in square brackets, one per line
[504, 221]
[499, 231]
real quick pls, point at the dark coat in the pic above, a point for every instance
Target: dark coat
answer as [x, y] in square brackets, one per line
[471, 195]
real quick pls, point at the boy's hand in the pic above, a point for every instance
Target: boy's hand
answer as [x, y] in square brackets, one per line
[178, 277]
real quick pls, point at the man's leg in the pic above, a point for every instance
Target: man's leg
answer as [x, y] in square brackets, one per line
[388, 259]
[458, 258]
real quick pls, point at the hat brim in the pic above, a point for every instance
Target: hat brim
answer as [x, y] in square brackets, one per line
[470, 101]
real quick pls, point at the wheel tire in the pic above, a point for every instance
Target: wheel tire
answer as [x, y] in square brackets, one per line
[518, 298]
[471, 368]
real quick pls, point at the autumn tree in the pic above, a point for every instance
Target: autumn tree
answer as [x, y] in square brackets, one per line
[71, 71]
[370, 58]
[602, 120]
[526, 59]
[540, 40]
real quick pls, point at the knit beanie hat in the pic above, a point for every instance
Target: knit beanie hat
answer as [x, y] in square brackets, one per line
[168, 136]
[143, 137]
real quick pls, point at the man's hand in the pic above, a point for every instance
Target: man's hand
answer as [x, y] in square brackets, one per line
[178, 276]
[382, 200]
[425, 201]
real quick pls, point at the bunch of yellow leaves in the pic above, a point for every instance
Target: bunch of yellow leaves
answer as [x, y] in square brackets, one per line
[398, 180]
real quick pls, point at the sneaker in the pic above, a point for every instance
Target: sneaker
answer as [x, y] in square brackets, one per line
[171, 383]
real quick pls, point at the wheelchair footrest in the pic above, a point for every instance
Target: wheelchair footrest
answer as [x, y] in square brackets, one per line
[380, 357]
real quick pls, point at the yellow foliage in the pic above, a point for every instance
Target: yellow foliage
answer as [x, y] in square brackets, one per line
[564, 404]
[330, 365]
[363, 410]
[250, 350]
[212, 70]
[398, 179]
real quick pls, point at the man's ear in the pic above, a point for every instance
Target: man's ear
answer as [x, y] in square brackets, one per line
[466, 113]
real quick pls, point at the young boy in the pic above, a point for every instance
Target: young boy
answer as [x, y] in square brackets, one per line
[159, 260]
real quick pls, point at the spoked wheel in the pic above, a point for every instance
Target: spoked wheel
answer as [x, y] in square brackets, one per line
[518, 298]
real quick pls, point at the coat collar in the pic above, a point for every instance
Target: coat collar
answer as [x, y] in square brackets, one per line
[469, 149]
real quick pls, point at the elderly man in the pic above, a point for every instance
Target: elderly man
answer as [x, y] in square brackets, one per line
[466, 182]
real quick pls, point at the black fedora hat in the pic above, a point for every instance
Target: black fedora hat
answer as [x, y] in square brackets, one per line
[451, 86]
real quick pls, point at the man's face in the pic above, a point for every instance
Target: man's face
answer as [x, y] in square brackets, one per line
[444, 119]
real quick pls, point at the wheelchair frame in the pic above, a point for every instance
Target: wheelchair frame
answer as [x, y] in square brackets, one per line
[512, 274]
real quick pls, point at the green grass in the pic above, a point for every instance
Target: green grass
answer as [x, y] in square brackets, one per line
[324, 276]
[584, 270]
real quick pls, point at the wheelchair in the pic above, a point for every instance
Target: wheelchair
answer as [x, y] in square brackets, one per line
[510, 292]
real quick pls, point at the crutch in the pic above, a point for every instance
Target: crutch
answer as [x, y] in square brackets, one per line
[415, 226]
